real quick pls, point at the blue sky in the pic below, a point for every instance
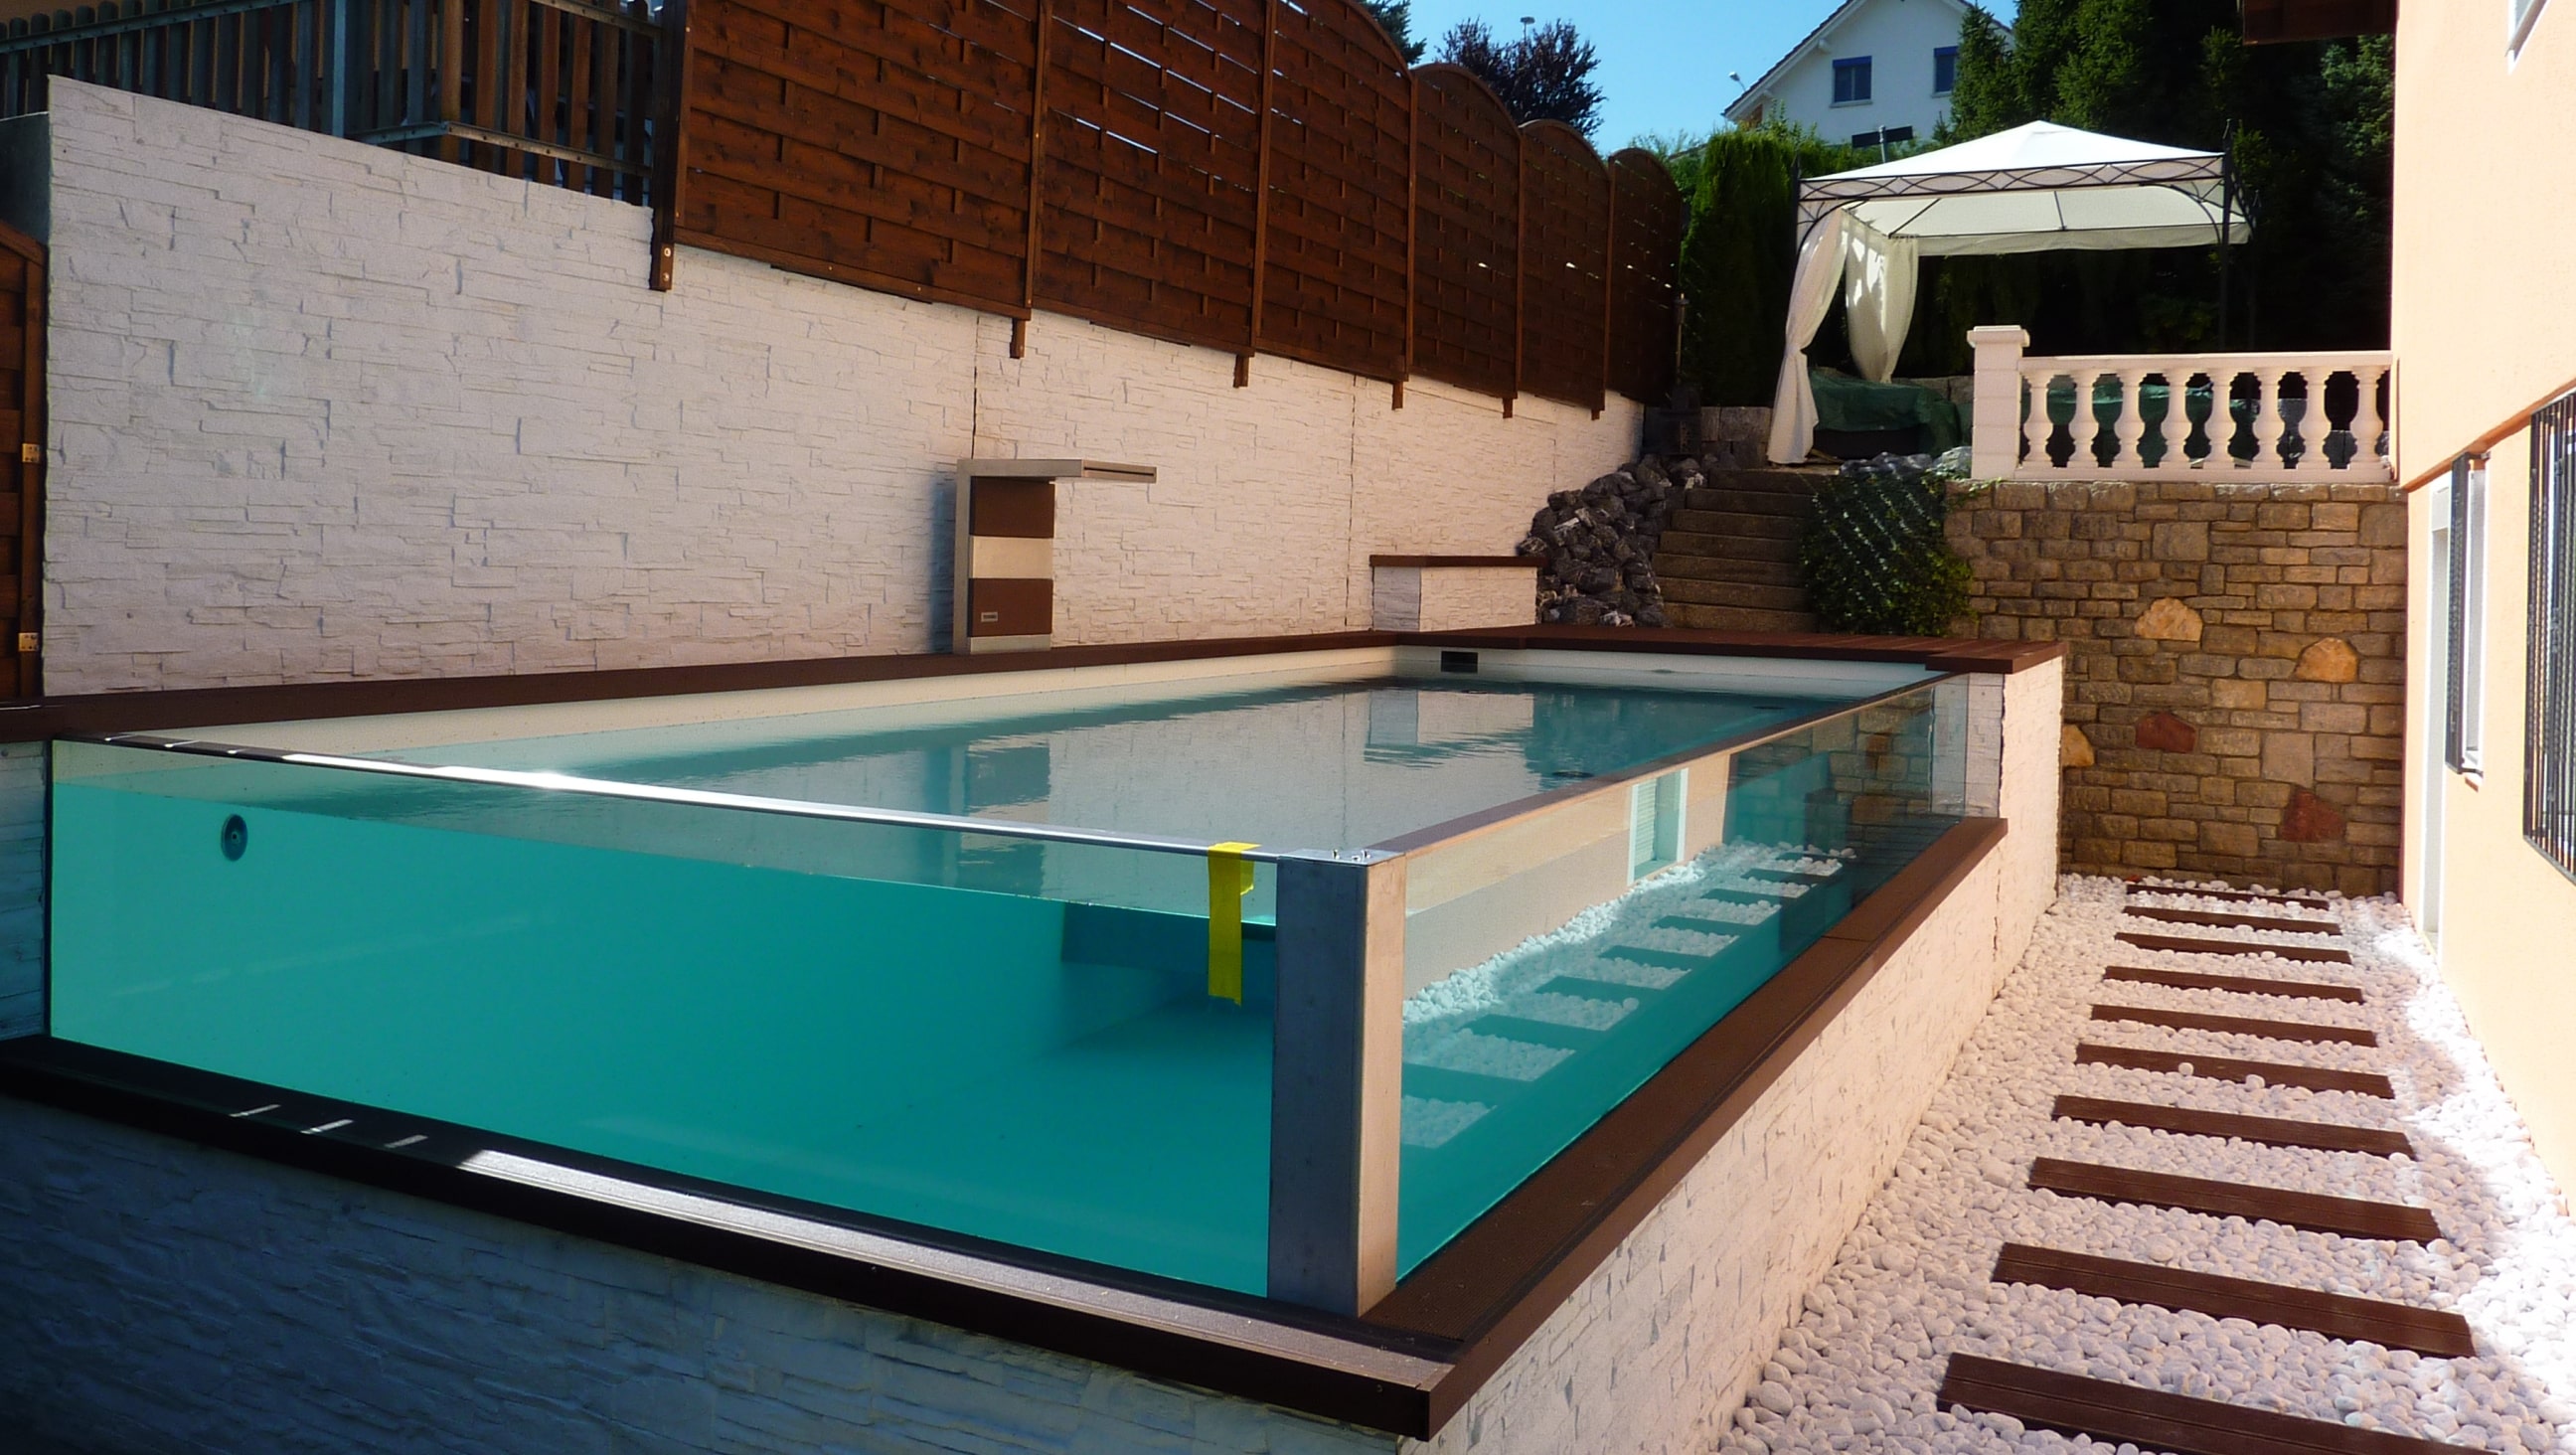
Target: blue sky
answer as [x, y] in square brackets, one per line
[1663, 62]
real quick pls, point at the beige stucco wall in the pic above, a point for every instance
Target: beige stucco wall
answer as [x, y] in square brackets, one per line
[320, 410]
[2484, 325]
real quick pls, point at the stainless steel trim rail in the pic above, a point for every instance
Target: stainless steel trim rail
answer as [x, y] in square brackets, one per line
[704, 798]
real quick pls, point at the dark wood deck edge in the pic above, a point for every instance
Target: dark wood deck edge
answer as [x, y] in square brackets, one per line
[1494, 1284]
[143, 711]
[2437, 1332]
[2267, 1131]
[2113, 1413]
[1941, 654]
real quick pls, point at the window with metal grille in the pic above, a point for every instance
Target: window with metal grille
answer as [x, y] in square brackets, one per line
[1851, 80]
[2549, 793]
[1655, 823]
[2465, 687]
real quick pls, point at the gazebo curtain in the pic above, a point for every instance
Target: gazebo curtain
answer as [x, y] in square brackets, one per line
[1876, 274]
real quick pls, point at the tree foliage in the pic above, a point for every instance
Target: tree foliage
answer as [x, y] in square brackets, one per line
[2308, 127]
[1396, 17]
[1740, 251]
[1543, 75]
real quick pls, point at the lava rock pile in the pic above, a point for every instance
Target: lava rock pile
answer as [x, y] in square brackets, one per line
[1598, 544]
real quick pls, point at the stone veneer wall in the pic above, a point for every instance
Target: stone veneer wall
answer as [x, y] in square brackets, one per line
[2236, 678]
[321, 410]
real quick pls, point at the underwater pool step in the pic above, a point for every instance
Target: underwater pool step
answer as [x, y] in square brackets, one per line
[2336, 1316]
[2316, 1212]
[2111, 1413]
[2267, 1131]
[2225, 1068]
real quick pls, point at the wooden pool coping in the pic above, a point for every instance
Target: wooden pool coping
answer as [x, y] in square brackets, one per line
[112, 712]
[1406, 1366]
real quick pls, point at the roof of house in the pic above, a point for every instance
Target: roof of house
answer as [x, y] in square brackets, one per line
[1761, 88]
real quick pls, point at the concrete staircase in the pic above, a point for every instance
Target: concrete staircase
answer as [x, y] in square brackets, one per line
[1729, 560]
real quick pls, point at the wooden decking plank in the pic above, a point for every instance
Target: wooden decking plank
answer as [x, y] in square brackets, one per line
[2353, 1217]
[2114, 1413]
[2190, 945]
[2266, 1131]
[2236, 984]
[2239, 896]
[2334, 1315]
[2210, 919]
[2222, 1068]
[2241, 1025]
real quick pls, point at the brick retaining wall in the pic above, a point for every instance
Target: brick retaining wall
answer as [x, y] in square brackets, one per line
[2235, 685]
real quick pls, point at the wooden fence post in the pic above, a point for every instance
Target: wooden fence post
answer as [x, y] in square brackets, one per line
[1261, 191]
[670, 146]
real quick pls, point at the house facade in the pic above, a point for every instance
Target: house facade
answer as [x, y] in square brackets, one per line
[1874, 70]
[2485, 335]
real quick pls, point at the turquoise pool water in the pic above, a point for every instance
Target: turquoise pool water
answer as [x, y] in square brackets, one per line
[992, 1036]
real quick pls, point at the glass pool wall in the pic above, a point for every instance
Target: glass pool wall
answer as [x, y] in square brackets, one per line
[1555, 961]
[999, 1030]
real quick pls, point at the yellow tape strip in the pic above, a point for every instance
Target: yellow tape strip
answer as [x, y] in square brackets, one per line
[1229, 880]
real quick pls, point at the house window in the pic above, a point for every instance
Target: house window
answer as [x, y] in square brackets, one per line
[1655, 823]
[2520, 16]
[1851, 81]
[1945, 70]
[2465, 687]
[2549, 792]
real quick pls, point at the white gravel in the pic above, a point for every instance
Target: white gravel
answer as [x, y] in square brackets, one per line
[1910, 1285]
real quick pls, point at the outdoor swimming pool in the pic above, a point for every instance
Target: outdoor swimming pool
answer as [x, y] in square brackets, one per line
[960, 953]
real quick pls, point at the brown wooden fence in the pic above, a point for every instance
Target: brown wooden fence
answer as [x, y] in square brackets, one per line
[22, 433]
[1258, 176]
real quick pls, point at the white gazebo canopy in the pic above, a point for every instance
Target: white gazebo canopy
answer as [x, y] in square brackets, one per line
[2035, 188]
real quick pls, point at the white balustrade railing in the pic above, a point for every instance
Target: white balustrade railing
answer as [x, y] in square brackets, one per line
[2243, 418]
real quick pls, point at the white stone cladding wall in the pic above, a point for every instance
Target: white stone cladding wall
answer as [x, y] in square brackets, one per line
[2034, 711]
[22, 889]
[321, 410]
[1666, 1338]
[315, 1314]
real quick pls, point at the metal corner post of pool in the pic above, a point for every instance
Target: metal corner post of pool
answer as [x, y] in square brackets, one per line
[1337, 1068]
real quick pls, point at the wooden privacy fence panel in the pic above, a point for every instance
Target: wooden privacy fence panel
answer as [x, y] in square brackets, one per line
[22, 434]
[1151, 178]
[1565, 253]
[883, 142]
[1333, 247]
[563, 92]
[1647, 216]
[1466, 232]
[1247, 175]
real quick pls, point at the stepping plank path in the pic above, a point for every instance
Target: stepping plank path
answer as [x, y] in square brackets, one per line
[2113, 1412]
